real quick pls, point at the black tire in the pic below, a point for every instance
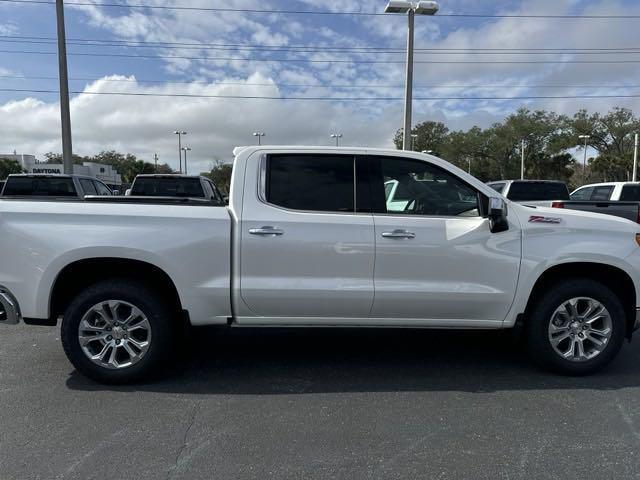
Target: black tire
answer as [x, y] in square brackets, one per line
[537, 327]
[157, 311]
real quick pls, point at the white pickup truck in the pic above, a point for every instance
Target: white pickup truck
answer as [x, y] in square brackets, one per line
[309, 240]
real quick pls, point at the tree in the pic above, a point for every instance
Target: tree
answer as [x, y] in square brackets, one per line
[220, 174]
[8, 167]
[56, 158]
[430, 136]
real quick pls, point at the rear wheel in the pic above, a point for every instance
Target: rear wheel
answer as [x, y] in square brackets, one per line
[576, 327]
[117, 331]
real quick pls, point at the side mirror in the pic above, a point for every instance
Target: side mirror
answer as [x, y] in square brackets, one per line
[225, 199]
[115, 192]
[127, 192]
[497, 215]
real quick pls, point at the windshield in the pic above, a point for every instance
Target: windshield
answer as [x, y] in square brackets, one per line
[168, 187]
[536, 191]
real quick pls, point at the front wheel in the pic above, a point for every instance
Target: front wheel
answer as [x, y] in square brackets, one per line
[576, 328]
[117, 331]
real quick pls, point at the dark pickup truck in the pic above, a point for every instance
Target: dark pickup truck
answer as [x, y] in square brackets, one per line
[57, 186]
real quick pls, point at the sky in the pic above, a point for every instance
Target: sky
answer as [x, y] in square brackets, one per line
[310, 66]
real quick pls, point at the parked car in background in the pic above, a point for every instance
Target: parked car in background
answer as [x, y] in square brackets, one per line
[184, 186]
[309, 240]
[61, 186]
[620, 199]
[612, 191]
[532, 192]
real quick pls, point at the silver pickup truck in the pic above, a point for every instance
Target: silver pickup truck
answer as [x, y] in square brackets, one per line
[620, 199]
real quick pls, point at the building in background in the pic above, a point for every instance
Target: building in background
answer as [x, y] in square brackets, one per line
[105, 173]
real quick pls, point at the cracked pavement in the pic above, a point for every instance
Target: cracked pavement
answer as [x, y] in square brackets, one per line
[317, 404]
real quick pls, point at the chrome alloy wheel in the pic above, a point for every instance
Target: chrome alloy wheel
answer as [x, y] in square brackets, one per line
[580, 329]
[114, 334]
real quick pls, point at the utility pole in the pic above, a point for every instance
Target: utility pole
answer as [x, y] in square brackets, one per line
[522, 160]
[65, 111]
[635, 160]
[155, 159]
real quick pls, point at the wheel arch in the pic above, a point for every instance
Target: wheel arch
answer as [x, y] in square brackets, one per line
[82, 273]
[600, 272]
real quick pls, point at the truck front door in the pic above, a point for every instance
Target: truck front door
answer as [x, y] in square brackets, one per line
[436, 260]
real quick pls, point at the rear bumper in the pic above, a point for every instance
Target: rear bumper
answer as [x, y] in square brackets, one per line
[9, 308]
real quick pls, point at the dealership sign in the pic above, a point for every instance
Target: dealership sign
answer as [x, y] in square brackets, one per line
[46, 169]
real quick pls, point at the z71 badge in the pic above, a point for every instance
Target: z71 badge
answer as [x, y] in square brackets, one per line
[541, 219]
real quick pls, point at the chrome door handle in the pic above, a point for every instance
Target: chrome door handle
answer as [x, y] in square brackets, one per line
[399, 234]
[266, 230]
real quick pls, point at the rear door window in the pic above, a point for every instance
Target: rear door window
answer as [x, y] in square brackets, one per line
[320, 183]
[602, 193]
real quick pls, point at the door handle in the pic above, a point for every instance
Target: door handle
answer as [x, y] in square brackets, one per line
[399, 234]
[266, 230]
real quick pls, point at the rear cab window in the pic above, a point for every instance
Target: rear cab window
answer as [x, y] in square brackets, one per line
[537, 191]
[167, 187]
[40, 187]
[88, 187]
[630, 193]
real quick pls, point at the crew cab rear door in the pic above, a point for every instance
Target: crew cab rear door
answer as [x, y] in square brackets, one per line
[306, 246]
[437, 262]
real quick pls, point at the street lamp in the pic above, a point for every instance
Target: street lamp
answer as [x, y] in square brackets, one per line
[413, 140]
[522, 159]
[259, 135]
[185, 150]
[180, 133]
[337, 136]
[411, 9]
[584, 162]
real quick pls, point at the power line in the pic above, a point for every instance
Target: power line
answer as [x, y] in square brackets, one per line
[316, 12]
[333, 99]
[306, 60]
[311, 48]
[313, 85]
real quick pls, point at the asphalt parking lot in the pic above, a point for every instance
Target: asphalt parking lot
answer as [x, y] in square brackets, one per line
[313, 404]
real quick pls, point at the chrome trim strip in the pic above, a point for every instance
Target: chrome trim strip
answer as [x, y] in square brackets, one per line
[9, 308]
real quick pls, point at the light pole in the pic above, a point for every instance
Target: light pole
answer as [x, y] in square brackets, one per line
[522, 159]
[259, 135]
[413, 140]
[635, 159]
[584, 162]
[155, 158]
[185, 150]
[180, 133]
[411, 9]
[337, 136]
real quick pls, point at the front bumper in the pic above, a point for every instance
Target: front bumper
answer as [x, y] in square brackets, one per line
[9, 308]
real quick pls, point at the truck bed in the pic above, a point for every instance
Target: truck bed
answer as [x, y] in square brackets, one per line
[628, 210]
